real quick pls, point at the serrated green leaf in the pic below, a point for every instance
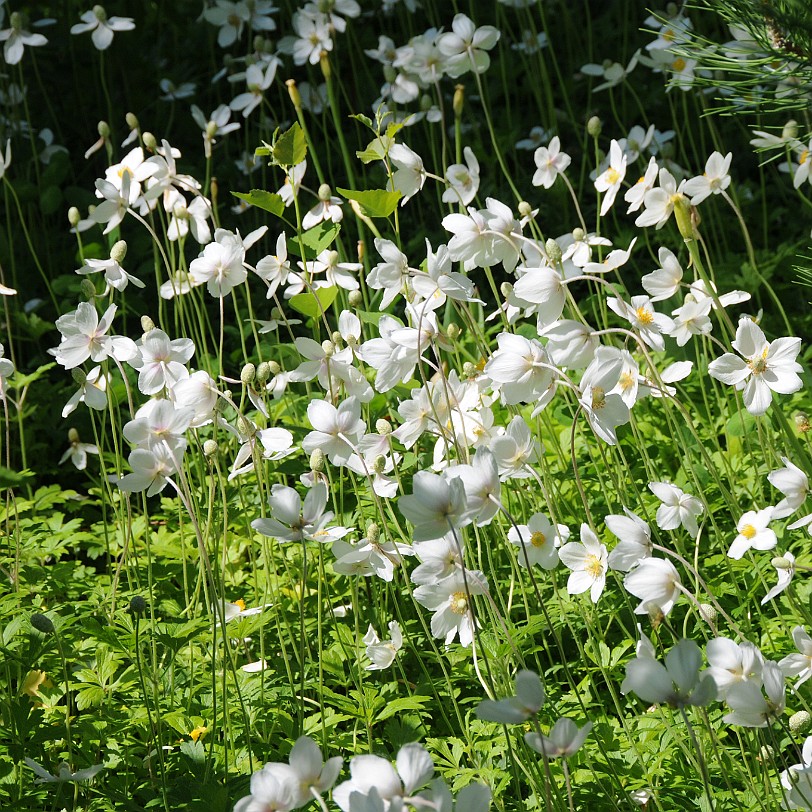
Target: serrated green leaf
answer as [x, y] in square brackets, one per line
[375, 202]
[377, 149]
[267, 201]
[314, 240]
[89, 696]
[409, 703]
[290, 148]
[313, 304]
[10, 479]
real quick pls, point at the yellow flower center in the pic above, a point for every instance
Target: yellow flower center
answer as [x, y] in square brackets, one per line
[598, 397]
[748, 531]
[612, 176]
[678, 64]
[627, 381]
[758, 365]
[459, 603]
[804, 157]
[593, 566]
[241, 603]
[538, 538]
[644, 315]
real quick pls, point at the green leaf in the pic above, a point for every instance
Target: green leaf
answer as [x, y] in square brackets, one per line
[267, 201]
[290, 148]
[89, 696]
[375, 202]
[412, 703]
[376, 150]
[313, 304]
[10, 479]
[315, 240]
[740, 424]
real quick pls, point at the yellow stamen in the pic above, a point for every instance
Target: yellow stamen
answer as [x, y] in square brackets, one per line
[748, 531]
[459, 603]
[538, 538]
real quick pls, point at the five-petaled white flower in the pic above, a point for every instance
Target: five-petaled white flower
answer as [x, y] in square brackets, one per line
[101, 26]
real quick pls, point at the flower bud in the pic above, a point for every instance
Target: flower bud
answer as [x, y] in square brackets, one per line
[294, 94]
[328, 347]
[373, 533]
[263, 373]
[578, 234]
[210, 447]
[506, 289]
[708, 613]
[389, 74]
[147, 324]
[244, 426]
[799, 722]
[360, 250]
[525, 209]
[790, 130]
[355, 298]
[248, 373]
[336, 338]
[119, 251]
[469, 369]
[211, 129]
[317, 461]
[383, 426]
[425, 102]
[150, 142]
[766, 753]
[594, 127]
[132, 121]
[16, 20]
[379, 464]
[103, 129]
[781, 563]
[553, 250]
[453, 331]
[100, 14]
[73, 436]
[74, 218]
[78, 376]
[42, 623]
[459, 99]
[138, 605]
[274, 367]
[325, 192]
[324, 64]
[682, 213]
[88, 289]
[259, 43]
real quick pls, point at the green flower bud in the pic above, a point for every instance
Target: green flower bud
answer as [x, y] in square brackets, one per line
[459, 100]
[248, 373]
[453, 331]
[781, 563]
[88, 289]
[329, 348]
[74, 218]
[147, 324]
[799, 722]
[506, 289]
[294, 94]
[708, 613]
[336, 338]
[103, 129]
[578, 234]
[42, 623]
[78, 376]
[263, 373]
[383, 426]
[373, 533]
[317, 462]
[594, 127]
[525, 209]
[138, 605]
[119, 251]
[790, 130]
[802, 422]
[325, 192]
[355, 298]
[274, 367]
[210, 448]
[553, 250]
[132, 121]
[150, 142]
[73, 436]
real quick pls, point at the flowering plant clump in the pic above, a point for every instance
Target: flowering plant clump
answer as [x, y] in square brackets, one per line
[382, 431]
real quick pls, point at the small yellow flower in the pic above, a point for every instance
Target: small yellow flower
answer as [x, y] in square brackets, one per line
[198, 732]
[32, 682]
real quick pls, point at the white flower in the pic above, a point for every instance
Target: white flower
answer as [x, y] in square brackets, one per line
[84, 336]
[450, 600]
[800, 664]
[16, 39]
[730, 662]
[463, 180]
[64, 775]
[293, 521]
[551, 162]
[523, 369]
[538, 541]
[657, 583]
[220, 265]
[643, 318]
[409, 175]
[563, 740]
[749, 706]
[465, 46]
[101, 26]
[382, 654]
[77, 451]
[275, 787]
[678, 508]
[635, 540]
[608, 182]
[793, 483]
[336, 431]
[587, 559]
[663, 282]
[714, 181]
[527, 702]
[436, 505]
[161, 361]
[797, 780]
[765, 367]
[659, 203]
[753, 532]
[785, 570]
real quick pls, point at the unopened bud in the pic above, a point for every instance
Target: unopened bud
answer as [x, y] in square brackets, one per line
[336, 338]
[799, 722]
[103, 129]
[373, 533]
[506, 289]
[781, 563]
[147, 324]
[383, 426]
[682, 213]
[16, 20]
[214, 189]
[248, 373]
[594, 127]
[324, 64]
[294, 94]
[525, 209]
[274, 367]
[210, 447]
[132, 121]
[74, 218]
[150, 142]
[329, 348]
[119, 251]
[802, 422]
[73, 436]
[138, 605]
[578, 234]
[244, 426]
[78, 376]
[553, 250]
[766, 752]
[708, 613]
[317, 460]
[211, 129]
[99, 13]
[325, 192]
[459, 100]
[360, 250]
[42, 623]
[389, 74]
[453, 331]
[355, 298]
[259, 43]
[88, 289]
[379, 464]
[790, 130]
[426, 102]
[263, 373]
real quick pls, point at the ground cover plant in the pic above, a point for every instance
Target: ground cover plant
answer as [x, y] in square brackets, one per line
[405, 405]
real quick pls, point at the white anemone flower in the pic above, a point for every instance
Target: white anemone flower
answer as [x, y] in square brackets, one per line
[564, 739]
[677, 509]
[753, 532]
[750, 707]
[101, 26]
[587, 561]
[657, 583]
[382, 653]
[763, 368]
[800, 664]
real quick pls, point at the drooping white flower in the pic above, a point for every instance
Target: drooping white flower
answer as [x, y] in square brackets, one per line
[635, 540]
[677, 509]
[657, 583]
[527, 701]
[785, 570]
[663, 282]
[608, 182]
[730, 662]
[463, 180]
[564, 739]
[750, 707]
[436, 505]
[292, 520]
[382, 653]
[800, 664]
[793, 483]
